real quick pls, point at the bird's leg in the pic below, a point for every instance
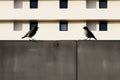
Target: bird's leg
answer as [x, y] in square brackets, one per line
[32, 38]
[89, 38]
[86, 39]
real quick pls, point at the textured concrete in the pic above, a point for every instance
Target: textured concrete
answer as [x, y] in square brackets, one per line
[60, 60]
[48, 60]
[99, 60]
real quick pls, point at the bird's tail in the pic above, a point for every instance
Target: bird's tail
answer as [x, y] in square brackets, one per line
[95, 38]
[23, 37]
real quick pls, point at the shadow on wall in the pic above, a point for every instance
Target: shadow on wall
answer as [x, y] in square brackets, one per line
[18, 3]
[92, 25]
[91, 4]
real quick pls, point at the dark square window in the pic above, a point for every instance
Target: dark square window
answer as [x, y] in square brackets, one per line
[33, 24]
[33, 3]
[103, 25]
[63, 3]
[102, 3]
[63, 25]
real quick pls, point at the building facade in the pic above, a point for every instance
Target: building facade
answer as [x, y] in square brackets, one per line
[60, 19]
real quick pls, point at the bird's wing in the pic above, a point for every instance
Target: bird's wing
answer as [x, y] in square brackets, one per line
[92, 35]
[33, 32]
[27, 33]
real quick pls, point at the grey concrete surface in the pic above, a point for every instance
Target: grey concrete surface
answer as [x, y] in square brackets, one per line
[60, 60]
[40, 60]
[99, 60]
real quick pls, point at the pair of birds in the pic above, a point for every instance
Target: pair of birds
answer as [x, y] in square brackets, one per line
[33, 31]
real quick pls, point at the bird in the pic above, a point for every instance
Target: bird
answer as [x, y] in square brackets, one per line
[31, 33]
[88, 33]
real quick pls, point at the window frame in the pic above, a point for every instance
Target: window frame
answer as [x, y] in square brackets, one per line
[63, 23]
[31, 23]
[18, 4]
[105, 23]
[101, 2]
[31, 4]
[18, 26]
[63, 4]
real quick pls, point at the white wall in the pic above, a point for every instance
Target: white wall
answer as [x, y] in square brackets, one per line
[6, 4]
[46, 31]
[49, 30]
[49, 10]
[112, 32]
[7, 30]
[49, 14]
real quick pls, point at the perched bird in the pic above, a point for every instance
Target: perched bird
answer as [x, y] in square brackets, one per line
[88, 33]
[31, 33]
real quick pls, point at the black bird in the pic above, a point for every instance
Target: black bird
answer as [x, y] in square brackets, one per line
[88, 33]
[31, 33]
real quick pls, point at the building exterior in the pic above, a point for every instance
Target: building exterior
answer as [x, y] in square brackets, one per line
[60, 19]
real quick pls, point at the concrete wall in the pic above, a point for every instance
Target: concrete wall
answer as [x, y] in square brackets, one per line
[25, 60]
[59, 60]
[98, 60]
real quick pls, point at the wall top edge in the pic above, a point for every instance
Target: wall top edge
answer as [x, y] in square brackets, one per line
[74, 20]
[59, 40]
[58, 0]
